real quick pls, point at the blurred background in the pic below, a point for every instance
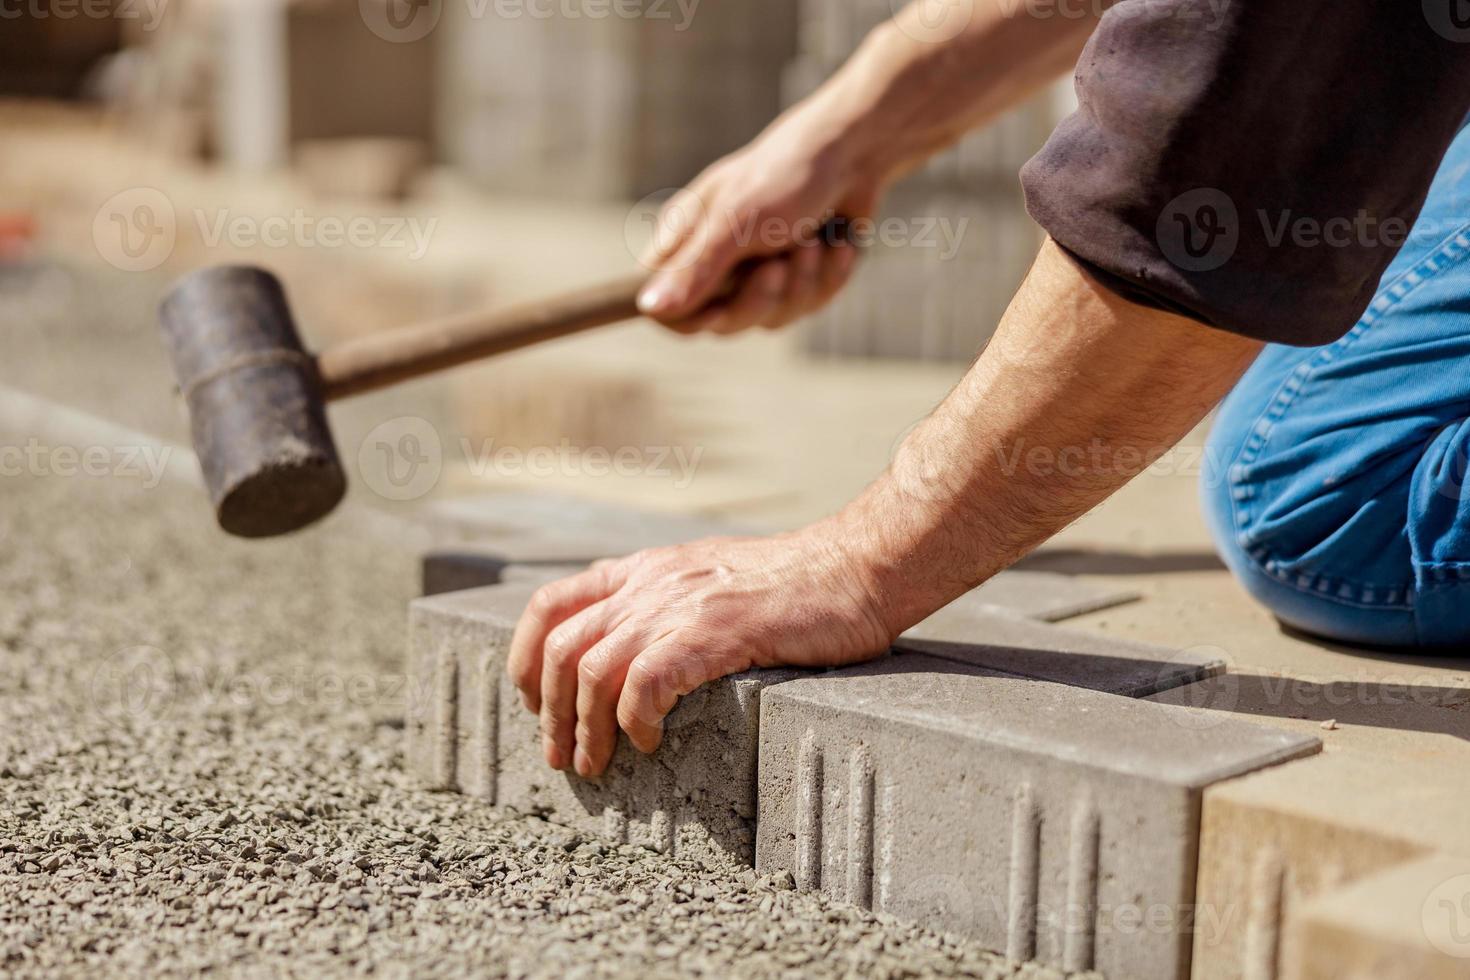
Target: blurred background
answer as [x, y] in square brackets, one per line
[392, 159]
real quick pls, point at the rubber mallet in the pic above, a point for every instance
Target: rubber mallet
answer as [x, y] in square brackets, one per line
[257, 398]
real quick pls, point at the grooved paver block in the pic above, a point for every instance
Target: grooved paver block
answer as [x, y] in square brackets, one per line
[1048, 822]
[982, 636]
[467, 730]
[1273, 841]
[1410, 922]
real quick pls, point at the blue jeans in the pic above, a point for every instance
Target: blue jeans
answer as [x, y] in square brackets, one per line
[1334, 483]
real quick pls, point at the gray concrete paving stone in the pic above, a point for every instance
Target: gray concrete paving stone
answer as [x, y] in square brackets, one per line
[1052, 823]
[466, 729]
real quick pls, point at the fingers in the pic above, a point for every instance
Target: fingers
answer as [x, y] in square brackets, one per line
[680, 216]
[838, 262]
[563, 652]
[692, 275]
[600, 676]
[549, 606]
[761, 296]
[803, 283]
[656, 679]
[778, 292]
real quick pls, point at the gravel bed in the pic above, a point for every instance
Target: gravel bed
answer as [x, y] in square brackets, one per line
[200, 769]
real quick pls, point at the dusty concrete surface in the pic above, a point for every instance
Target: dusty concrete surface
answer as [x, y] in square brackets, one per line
[200, 768]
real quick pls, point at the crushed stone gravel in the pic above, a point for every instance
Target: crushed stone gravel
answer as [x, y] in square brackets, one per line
[200, 770]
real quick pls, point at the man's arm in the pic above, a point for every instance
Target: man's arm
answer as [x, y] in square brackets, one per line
[1076, 393]
[914, 86]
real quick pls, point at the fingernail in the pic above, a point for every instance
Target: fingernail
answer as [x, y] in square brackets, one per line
[654, 298]
[582, 762]
[526, 703]
[554, 757]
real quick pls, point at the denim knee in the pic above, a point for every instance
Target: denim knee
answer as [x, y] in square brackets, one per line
[1293, 552]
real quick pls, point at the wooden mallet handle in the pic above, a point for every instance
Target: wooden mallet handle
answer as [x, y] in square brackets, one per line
[379, 360]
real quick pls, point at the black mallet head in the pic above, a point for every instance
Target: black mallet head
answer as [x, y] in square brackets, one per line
[255, 404]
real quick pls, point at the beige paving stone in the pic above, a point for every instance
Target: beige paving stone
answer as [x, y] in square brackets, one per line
[1273, 840]
[1409, 922]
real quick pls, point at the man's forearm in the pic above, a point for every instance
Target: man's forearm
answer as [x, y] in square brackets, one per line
[919, 81]
[1078, 392]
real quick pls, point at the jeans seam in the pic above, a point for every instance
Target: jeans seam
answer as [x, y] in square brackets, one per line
[1451, 250]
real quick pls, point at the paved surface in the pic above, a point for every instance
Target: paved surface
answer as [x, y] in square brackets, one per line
[200, 767]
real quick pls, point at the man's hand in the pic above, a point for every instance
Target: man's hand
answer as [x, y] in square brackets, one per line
[764, 206]
[907, 93]
[1078, 392]
[619, 644]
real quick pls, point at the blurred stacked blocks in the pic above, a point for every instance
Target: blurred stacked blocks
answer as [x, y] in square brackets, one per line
[593, 100]
[614, 106]
[958, 241]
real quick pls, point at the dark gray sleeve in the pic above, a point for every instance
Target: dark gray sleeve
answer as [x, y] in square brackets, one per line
[1213, 136]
